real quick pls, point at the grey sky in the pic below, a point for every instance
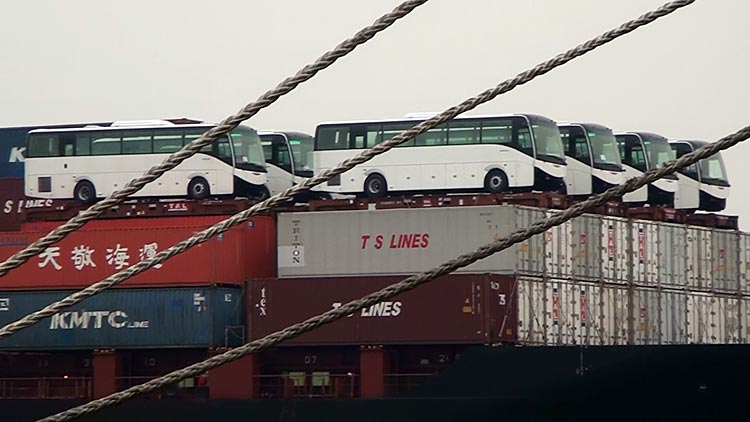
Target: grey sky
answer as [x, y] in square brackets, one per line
[683, 76]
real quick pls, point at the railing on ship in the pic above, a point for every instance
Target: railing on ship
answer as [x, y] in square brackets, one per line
[291, 385]
[46, 388]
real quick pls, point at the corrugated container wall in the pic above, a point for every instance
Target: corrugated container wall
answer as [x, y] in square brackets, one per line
[129, 318]
[458, 308]
[533, 311]
[615, 249]
[726, 260]
[713, 318]
[104, 247]
[404, 241]
[699, 258]
[744, 267]
[587, 252]
[672, 255]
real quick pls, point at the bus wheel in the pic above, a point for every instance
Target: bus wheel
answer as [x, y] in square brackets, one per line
[375, 186]
[198, 188]
[84, 192]
[496, 181]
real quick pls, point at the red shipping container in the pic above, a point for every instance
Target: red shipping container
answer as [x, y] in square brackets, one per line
[13, 204]
[104, 247]
[458, 308]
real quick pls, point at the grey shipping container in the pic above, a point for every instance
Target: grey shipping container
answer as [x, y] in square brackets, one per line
[713, 318]
[129, 318]
[699, 258]
[726, 260]
[744, 266]
[404, 241]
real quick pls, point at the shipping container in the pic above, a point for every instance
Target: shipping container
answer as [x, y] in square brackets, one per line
[587, 251]
[645, 254]
[533, 311]
[459, 308]
[615, 249]
[699, 258]
[744, 322]
[712, 319]
[15, 204]
[726, 260]
[104, 247]
[404, 241]
[615, 304]
[672, 245]
[129, 318]
[559, 249]
[645, 316]
[744, 267]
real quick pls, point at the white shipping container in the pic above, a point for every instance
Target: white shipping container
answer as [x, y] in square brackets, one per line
[615, 249]
[559, 249]
[672, 257]
[404, 241]
[646, 316]
[645, 253]
[725, 252]
[699, 258]
[532, 313]
[615, 304]
[587, 250]
[744, 320]
[712, 319]
[673, 317]
[744, 266]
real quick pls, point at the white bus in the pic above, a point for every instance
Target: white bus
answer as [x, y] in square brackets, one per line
[641, 152]
[289, 158]
[92, 162]
[704, 186]
[492, 153]
[593, 158]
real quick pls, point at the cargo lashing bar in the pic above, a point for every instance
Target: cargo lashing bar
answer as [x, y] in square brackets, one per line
[411, 282]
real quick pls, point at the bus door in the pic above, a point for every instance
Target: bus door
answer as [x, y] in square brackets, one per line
[688, 188]
[578, 176]
[281, 167]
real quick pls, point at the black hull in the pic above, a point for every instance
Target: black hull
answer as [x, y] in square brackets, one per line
[504, 383]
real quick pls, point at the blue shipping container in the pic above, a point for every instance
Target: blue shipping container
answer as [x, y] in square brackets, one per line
[129, 319]
[13, 146]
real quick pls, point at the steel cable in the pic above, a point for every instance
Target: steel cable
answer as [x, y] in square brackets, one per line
[406, 284]
[210, 136]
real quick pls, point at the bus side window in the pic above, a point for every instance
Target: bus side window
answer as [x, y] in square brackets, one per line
[329, 138]
[106, 143]
[281, 155]
[43, 146]
[434, 136]
[497, 132]
[522, 136]
[83, 144]
[167, 142]
[391, 130]
[463, 133]
[631, 152]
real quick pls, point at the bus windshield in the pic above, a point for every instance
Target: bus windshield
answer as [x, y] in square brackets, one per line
[302, 150]
[549, 145]
[605, 149]
[658, 151]
[247, 147]
[713, 171]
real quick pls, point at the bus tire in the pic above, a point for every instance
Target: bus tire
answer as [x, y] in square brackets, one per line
[84, 192]
[375, 186]
[198, 188]
[496, 181]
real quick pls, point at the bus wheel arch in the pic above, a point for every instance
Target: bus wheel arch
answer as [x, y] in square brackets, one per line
[375, 185]
[496, 181]
[85, 192]
[198, 188]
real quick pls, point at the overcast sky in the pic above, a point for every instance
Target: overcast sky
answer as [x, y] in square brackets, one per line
[682, 76]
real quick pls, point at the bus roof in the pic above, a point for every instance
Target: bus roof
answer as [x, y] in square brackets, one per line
[594, 126]
[642, 134]
[287, 133]
[96, 128]
[414, 118]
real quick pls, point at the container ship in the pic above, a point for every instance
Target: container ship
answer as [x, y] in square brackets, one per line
[624, 311]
